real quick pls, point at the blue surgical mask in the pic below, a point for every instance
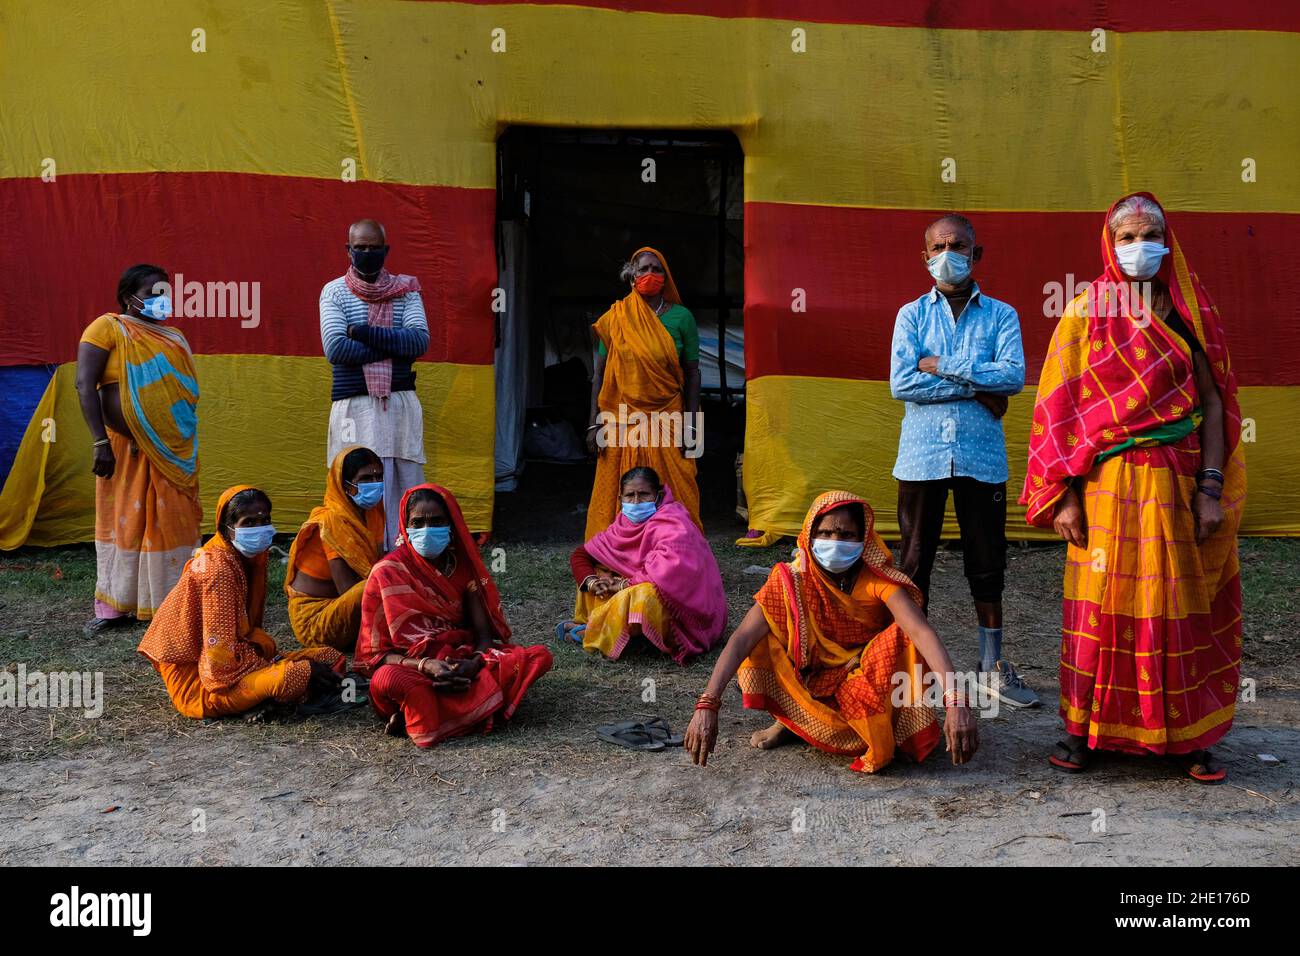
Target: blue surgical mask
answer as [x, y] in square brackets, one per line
[949, 267]
[252, 541]
[638, 512]
[369, 493]
[836, 556]
[156, 307]
[429, 542]
[1140, 260]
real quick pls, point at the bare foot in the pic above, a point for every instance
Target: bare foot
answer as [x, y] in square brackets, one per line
[773, 736]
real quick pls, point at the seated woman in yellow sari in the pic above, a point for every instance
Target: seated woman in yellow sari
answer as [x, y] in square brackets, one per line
[332, 554]
[645, 390]
[138, 394]
[837, 649]
[207, 642]
[649, 574]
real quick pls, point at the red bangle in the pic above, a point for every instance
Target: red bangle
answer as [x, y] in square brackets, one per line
[708, 702]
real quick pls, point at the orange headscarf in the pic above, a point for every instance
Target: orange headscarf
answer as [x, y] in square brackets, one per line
[804, 607]
[642, 369]
[357, 539]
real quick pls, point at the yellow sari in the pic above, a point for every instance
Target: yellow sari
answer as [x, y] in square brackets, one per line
[333, 530]
[642, 375]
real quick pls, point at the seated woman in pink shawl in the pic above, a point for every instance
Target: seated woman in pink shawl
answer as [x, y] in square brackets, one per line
[649, 574]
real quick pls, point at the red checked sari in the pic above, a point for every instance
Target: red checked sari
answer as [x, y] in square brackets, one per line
[827, 669]
[1151, 643]
[412, 609]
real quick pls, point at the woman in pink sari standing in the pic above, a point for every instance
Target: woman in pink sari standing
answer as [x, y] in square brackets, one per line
[649, 574]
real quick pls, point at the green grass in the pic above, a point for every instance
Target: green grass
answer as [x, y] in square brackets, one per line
[46, 596]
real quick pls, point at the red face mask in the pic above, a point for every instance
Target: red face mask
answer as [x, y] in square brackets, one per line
[649, 284]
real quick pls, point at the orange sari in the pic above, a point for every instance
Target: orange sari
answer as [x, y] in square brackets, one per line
[207, 642]
[333, 529]
[828, 668]
[642, 375]
[147, 515]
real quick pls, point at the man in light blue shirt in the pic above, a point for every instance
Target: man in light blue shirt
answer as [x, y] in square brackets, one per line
[956, 358]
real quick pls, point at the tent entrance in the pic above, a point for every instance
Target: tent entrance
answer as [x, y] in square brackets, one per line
[571, 206]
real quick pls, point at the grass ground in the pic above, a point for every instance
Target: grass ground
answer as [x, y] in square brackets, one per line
[126, 787]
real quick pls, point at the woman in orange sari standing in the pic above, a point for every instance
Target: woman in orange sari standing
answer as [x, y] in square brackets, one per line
[138, 393]
[1135, 459]
[645, 391]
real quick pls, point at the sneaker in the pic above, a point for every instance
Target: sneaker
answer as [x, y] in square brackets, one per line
[1007, 686]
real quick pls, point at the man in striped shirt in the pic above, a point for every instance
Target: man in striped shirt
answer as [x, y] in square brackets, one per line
[373, 328]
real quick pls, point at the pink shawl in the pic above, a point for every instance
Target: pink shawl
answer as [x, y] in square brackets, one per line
[670, 552]
[379, 296]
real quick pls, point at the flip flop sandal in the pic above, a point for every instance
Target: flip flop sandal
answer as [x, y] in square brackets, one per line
[1074, 757]
[571, 634]
[1200, 770]
[660, 730]
[630, 734]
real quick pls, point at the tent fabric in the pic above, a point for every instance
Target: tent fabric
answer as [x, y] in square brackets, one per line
[21, 388]
[236, 165]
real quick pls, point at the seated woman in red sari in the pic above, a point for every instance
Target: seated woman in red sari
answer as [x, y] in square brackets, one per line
[433, 639]
[207, 642]
[837, 649]
[650, 574]
[1135, 459]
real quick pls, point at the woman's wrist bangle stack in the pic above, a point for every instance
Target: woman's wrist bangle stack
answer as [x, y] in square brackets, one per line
[708, 702]
[102, 441]
[1210, 491]
[954, 698]
[1212, 473]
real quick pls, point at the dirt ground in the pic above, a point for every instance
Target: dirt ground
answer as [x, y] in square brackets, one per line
[140, 785]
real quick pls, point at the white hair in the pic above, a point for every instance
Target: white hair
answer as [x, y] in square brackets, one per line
[628, 272]
[1136, 206]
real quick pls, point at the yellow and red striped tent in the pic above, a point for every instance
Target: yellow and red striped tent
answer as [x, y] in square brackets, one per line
[860, 121]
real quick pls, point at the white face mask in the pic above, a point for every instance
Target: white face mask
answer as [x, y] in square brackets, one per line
[949, 267]
[1140, 260]
[836, 556]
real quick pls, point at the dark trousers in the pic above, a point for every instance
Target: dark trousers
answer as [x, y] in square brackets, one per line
[982, 516]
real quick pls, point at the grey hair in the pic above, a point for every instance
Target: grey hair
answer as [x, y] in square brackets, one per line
[627, 272]
[1135, 206]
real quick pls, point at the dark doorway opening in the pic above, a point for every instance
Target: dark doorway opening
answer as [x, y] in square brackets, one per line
[571, 207]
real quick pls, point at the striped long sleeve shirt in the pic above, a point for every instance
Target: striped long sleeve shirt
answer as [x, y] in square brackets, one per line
[405, 342]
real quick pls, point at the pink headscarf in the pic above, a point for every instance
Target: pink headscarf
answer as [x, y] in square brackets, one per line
[670, 552]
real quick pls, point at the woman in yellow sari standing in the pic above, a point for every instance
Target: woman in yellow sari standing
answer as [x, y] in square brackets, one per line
[138, 391]
[1136, 460]
[331, 556]
[645, 392]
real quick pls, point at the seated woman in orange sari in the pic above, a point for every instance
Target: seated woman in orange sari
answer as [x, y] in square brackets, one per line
[837, 649]
[650, 574]
[1135, 459]
[333, 552]
[207, 642]
[434, 641]
[645, 391]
